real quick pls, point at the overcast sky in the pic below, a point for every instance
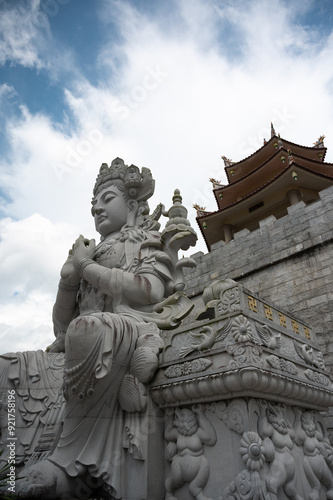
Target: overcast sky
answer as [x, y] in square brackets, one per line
[167, 84]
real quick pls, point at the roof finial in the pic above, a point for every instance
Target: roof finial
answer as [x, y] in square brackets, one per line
[272, 130]
[201, 211]
[319, 142]
[216, 184]
[227, 162]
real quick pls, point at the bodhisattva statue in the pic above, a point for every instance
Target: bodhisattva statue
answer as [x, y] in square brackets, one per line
[112, 299]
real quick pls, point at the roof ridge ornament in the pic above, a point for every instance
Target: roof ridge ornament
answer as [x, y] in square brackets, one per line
[216, 184]
[201, 211]
[227, 162]
[319, 142]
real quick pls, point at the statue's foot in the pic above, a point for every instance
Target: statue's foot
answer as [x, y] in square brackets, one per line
[44, 480]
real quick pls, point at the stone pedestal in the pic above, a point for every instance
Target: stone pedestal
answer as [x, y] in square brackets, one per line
[242, 387]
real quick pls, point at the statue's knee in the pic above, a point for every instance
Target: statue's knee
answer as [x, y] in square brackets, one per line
[82, 334]
[83, 325]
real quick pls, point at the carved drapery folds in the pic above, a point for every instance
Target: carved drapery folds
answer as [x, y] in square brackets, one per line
[37, 378]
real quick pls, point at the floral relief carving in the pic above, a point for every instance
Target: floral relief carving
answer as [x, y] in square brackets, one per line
[282, 364]
[248, 485]
[241, 329]
[187, 368]
[319, 378]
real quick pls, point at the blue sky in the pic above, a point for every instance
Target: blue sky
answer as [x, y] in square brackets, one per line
[170, 85]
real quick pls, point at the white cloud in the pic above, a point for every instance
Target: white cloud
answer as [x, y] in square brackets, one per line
[32, 251]
[6, 91]
[22, 29]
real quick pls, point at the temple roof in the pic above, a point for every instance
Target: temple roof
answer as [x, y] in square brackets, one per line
[260, 185]
[245, 166]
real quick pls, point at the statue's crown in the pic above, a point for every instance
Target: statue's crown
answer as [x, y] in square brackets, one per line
[138, 185]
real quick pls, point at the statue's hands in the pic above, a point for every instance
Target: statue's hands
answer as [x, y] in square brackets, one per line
[83, 249]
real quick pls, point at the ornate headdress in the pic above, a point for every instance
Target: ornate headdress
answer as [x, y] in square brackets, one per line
[138, 185]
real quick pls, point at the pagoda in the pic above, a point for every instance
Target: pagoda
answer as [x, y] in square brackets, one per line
[266, 183]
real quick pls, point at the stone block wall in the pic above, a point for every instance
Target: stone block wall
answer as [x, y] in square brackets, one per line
[287, 261]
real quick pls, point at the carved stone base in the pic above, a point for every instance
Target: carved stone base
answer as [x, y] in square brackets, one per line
[261, 451]
[259, 380]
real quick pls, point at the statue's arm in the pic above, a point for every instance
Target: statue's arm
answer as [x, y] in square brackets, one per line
[206, 431]
[65, 308]
[135, 288]
[170, 433]
[142, 289]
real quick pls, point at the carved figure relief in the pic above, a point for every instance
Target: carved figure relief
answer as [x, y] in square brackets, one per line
[270, 339]
[278, 443]
[187, 431]
[204, 339]
[307, 354]
[317, 454]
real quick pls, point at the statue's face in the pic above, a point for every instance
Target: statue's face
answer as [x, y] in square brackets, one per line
[110, 211]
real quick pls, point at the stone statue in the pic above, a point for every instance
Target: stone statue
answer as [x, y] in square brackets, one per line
[187, 432]
[317, 455]
[112, 299]
[278, 442]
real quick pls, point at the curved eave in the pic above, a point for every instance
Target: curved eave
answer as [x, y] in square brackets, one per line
[228, 195]
[307, 182]
[244, 167]
[262, 155]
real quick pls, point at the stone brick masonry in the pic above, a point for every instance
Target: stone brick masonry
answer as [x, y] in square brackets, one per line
[286, 261]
